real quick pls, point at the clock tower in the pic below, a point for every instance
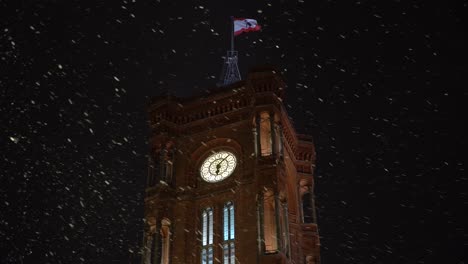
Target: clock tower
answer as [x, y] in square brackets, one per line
[229, 179]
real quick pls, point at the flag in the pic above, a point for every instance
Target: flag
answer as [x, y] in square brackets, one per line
[245, 25]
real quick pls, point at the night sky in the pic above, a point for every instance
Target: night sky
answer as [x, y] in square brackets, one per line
[381, 85]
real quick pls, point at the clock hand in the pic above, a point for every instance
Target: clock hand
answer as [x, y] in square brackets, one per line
[218, 166]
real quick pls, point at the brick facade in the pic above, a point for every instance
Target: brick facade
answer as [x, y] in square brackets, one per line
[187, 130]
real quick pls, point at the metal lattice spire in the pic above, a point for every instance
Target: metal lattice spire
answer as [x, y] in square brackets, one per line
[230, 72]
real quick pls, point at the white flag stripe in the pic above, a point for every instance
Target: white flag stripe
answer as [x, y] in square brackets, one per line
[245, 25]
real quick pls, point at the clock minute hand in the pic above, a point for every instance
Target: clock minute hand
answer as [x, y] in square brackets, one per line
[218, 166]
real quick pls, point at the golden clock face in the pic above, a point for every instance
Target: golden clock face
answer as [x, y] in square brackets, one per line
[218, 166]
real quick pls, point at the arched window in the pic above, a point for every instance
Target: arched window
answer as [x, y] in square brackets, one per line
[267, 135]
[207, 236]
[307, 208]
[228, 234]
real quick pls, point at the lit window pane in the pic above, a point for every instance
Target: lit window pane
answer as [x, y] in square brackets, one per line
[210, 255]
[207, 236]
[228, 233]
[226, 253]
[204, 230]
[233, 255]
[210, 227]
[226, 223]
[203, 256]
[265, 134]
[231, 227]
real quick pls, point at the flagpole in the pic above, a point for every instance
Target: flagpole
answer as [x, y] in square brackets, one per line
[230, 72]
[232, 33]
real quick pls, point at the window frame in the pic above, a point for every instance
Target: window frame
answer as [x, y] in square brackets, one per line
[207, 236]
[228, 243]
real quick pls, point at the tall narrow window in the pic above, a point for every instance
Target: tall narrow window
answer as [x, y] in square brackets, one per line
[228, 234]
[166, 158]
[284, 222]
[265, 134]
[165, 240]
[270, 227]
[255, 135]
[307, 208]
[207, 236]
[279, 140]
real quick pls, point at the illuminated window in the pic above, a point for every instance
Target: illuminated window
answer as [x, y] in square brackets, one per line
[269, 222]
[228, 234]
[279, 140]
[255, 136]
[207, 236]
[265, 134]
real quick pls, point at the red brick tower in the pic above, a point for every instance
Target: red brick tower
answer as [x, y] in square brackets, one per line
[229, 180]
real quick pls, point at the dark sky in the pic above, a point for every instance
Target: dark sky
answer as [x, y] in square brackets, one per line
[381, 85]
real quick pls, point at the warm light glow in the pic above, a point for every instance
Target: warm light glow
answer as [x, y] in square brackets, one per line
[269, 225]
[218, 166]
[265, 134]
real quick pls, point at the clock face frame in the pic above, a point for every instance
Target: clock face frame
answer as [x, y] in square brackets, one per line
[218, 166]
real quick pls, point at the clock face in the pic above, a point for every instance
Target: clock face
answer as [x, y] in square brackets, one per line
[218, 166]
